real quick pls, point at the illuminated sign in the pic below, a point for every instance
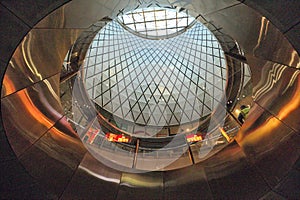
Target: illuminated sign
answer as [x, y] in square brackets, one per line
[193, 138]
[91, 135]
[116, 138]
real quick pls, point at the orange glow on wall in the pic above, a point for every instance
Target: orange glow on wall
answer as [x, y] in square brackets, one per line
[33, 110]
[292, 105]
[8, 85]
[268, 127]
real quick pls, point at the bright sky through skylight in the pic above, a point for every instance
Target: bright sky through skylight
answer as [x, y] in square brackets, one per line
[156, 22]
[155, 82]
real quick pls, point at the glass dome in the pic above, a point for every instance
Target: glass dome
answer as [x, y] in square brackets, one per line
[149, 82]
[156, 22]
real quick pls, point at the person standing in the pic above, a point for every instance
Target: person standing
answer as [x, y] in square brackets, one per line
[243, 114]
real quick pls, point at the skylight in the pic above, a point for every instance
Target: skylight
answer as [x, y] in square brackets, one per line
[156, 22]
[155, 82]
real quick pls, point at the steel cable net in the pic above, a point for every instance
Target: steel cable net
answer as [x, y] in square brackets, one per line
[152, 84]
[155, 82]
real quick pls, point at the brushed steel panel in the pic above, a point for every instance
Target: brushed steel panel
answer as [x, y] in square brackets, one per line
[34, 13]
[229, 174]
[164, 159]
[141, 186]
[186, 183]
[271, 196]
[93, 180]
[74, 15]
[255, 34]
[277, 89]
[268, 142]
[2, 69]
[224, 161]
[20, 185]
[283, 156]
[293, 36]
[289, 186]
[261, 132]
[30, 112]
[12, 31]
[54, 163]
[206, 6]
[53, 159]
[283, 19]
[39, 56]
[6, 152]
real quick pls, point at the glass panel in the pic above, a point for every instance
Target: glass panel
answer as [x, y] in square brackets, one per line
[164, 21]
[155, 82]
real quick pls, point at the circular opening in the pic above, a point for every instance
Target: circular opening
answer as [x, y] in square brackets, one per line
[156, 22]
[155, 83]
[147, 103]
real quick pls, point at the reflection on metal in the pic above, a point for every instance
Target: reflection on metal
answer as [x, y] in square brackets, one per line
[51, 90]
[101, 177]
[262, 132]
[224, 134]
[28, 58]
[293, 104]
[26, 114]
[28, 67]
[292, 81]
[263, 32]
[294, 58]
[8, 85]
[141, 180]
[31, 112]
[267, 83]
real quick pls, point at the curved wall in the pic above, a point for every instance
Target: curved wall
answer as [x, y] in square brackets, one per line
[58, 166]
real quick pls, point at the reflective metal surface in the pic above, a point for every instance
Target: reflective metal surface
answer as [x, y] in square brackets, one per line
[12, 34]
[205, 7]
[265, 140]
[93, 180]
[175, 179]
[256, 35]
[277, 89]
[33, 13]
[141, 186]
[262, 164]
[39, 56]
[30, 112]
[56, 157]
[230, 176]
[66, 18]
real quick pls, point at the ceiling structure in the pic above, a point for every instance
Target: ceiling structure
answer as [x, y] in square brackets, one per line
[156, 22]
[156, 82]
[269, 138]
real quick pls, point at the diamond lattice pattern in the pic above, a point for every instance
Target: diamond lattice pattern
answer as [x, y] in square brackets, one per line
[155, 82]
